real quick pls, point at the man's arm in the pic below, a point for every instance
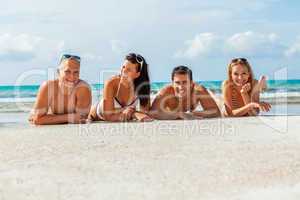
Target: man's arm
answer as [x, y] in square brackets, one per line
[210, 108]
[160, 105]
[40, 114]
[83, 100]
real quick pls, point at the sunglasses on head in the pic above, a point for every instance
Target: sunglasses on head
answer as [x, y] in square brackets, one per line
[244, 60]
[69, 56]
[139, 59]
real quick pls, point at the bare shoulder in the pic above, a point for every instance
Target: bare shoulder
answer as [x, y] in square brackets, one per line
[83, 83]
[201, 92]
[111, 87]
[83, 87]
[164, 98]
[113, 81]
[226, 85]
[198, 88]
[45, 94]
[168, 89]
[48, 85]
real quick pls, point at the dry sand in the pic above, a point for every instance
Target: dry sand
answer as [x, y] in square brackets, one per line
[240, 158]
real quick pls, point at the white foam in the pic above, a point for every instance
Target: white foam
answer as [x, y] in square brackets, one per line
[13, 100]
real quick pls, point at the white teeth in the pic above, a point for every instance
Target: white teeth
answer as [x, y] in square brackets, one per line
[69, 84]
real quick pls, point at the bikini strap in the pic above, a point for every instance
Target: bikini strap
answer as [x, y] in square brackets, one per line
[118, 102]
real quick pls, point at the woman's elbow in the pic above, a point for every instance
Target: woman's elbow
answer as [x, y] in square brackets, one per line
[217, 113]
[235, 114]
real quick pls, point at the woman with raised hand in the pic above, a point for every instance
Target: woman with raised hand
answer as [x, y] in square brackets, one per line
[123, 93]
[241, 91]
[66, 99]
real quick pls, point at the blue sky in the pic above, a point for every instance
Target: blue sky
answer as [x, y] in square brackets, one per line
[204, 35]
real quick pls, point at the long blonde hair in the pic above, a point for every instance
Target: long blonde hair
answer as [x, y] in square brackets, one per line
[245, 63]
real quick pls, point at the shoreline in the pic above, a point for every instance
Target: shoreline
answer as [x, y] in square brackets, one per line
[16, 117]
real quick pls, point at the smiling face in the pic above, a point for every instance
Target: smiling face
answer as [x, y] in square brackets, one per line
[130, 70]
[69, 72]
[240, 74]
[182, 85]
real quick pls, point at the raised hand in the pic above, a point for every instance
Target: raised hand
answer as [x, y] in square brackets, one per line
[262, 84]
[246, 88]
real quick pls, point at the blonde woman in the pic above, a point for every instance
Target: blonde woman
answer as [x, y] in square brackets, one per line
[241, 91]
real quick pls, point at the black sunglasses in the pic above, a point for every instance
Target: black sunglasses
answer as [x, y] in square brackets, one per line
[69, 56]
[239, 60]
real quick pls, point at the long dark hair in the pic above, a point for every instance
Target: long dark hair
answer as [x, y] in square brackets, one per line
[141, 83]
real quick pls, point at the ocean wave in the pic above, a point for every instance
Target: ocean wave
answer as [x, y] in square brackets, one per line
[15, 100]
[26, 106]
[274, 86]
[16, 107]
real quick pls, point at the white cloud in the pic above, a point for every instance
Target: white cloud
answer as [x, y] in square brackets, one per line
[294, 49]
[201, 45]
[252, 43]
[25, 47]
[19, 47]
[39, 51]
[239, 44]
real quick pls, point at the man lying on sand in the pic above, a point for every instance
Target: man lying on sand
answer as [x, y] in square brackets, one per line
[63, 100]
[181, 99]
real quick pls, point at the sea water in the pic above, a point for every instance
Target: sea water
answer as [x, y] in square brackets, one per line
[284, 95]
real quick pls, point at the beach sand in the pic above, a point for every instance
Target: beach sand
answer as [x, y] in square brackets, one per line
[232, 159]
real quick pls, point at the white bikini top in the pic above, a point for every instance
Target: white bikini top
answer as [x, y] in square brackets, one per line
[118, 105]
